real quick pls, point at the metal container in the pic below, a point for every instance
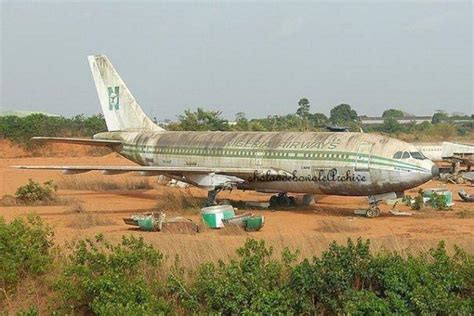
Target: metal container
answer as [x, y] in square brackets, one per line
[213, 215]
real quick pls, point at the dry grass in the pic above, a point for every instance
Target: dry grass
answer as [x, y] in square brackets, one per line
[330, 226]
[81, 218]
[232, 230]
[10, 200]
[179, 201]
[465, 213]
[100, 183]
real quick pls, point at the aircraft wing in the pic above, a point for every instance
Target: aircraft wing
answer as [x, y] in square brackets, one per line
[159, 170]
[78, 141]
[200, 176]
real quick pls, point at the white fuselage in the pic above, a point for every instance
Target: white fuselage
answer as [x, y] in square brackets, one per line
[330, 163]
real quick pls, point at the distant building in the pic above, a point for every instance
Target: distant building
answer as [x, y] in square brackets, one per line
[368, 120]
[26, 113]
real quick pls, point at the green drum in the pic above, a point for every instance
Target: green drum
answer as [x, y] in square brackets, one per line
[214, 215]
[254, 223]
[146, 224]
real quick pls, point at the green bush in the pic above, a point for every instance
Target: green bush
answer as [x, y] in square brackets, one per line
[121, 279]
[25, 250]
[34, 192]
[255, 284]
[98, 277]
[438, 201]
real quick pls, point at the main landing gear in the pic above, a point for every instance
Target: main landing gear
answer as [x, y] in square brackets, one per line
[282, 200]
[373, 210]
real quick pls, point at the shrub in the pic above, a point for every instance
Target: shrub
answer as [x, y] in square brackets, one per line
[325, 283]
[25, 249]
[432, 283]
[438, 201]
[122, 279]
[34, 192]
[255, 284]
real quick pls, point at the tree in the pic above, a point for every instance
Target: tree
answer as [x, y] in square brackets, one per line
[439, 117]
[241, 122]
[391, 125]
[343, 114]
[393, 113]
[303, 108]
[444, 130]
[202, 120]
[318, 119]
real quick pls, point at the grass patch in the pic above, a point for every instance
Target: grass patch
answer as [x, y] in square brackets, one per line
[104, 184]
[179, 201]
[345, 226]
[81, 218]
[34, 194]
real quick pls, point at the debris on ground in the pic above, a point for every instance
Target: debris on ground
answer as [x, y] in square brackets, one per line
[224, 215]
[258, 205]
[466, 197]
[399, 213]
[157, 222]
[430, 196]
[248, 221]
[213, 215]
[177, 184]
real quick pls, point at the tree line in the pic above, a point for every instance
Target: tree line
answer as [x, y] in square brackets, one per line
[21, 129]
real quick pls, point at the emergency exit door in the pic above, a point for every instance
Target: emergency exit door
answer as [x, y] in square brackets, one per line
[364, 153]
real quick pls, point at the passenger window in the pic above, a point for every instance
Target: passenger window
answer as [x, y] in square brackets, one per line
[397, 155]
[406, 155]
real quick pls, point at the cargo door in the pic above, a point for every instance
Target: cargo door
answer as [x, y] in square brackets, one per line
[364, 153]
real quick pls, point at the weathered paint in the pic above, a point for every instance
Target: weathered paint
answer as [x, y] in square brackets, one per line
[120, 109]
[330, 163]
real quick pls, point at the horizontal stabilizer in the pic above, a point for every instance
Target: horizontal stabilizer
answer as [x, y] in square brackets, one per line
[78, 141]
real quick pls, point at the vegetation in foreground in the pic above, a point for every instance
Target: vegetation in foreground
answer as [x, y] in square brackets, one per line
[98, 277]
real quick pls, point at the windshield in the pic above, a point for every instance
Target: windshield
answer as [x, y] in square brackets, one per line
[417, 155]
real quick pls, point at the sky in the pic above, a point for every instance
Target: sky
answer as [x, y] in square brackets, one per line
[259, 58]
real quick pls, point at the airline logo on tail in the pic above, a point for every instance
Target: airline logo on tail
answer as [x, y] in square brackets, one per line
[113, 98]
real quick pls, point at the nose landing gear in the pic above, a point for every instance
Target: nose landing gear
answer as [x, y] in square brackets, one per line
[282, 200]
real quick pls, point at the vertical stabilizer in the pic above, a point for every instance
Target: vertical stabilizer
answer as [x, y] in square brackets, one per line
[121, 110]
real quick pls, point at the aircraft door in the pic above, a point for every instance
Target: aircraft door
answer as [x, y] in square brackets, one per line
[258, 158]
[364, 153]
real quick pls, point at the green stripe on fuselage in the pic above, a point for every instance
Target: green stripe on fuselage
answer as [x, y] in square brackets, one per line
[268, 154]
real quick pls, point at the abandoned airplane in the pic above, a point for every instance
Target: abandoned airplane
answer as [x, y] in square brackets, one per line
[351, 164]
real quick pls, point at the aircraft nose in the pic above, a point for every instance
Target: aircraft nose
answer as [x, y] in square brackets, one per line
[435, 171]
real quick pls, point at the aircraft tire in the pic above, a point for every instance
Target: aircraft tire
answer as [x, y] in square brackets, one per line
[370, 213]
[274, 201]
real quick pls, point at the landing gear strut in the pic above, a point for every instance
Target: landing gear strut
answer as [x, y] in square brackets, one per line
[282, 200]
[212, 197]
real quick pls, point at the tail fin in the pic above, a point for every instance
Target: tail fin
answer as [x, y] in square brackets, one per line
[120, 109]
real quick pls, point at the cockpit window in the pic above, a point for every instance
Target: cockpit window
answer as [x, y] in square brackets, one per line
[397, 155]
[417, 155]
[405, 155]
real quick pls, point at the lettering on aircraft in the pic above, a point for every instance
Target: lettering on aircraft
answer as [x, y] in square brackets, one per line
[323, 175]
[319, 144]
